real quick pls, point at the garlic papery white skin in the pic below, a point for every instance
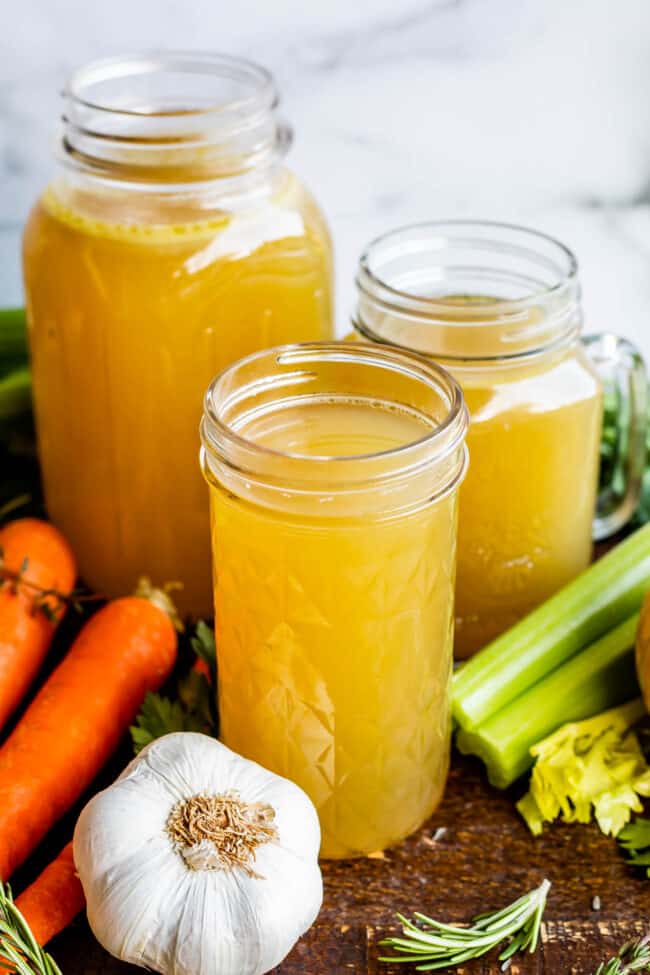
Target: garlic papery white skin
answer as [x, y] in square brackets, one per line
[199, 862]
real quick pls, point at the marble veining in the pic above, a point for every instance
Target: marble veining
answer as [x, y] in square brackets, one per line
[527, 110]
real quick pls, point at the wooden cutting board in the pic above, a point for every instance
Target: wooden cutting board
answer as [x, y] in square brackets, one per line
[485, 859]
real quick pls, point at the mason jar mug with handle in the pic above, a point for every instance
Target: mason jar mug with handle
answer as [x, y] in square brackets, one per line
[499, 306]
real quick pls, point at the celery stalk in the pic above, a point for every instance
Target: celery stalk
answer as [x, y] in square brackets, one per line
[13, 337]
[15, 393]
[598, 678]
[607, 593]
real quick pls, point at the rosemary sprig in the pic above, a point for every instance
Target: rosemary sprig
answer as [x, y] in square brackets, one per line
[633, 957]
[19, 951]
[433, 945]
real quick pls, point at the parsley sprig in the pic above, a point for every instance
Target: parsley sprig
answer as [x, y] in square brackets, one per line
[432, 945]
[193, 708]
[635, 841]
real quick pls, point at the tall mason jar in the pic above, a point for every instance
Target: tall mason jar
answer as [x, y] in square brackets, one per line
[171, 241]
[333, 474]
[499, 306]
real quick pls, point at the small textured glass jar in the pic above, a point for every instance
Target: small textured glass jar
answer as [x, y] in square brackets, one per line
[333, 475]
[499, 306]
[171, 242]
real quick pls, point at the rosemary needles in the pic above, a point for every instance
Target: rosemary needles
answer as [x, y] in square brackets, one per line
[19, 950]
[431, 945]
[633, 957]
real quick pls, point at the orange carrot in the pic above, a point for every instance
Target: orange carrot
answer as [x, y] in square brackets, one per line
[77, 719]
[35, 557]
[54, 899]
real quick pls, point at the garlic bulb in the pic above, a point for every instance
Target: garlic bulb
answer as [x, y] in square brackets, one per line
[199, 862]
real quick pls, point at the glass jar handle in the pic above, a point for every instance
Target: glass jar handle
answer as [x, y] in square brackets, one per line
[625, 381]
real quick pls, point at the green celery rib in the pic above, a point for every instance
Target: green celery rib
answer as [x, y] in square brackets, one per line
[13, 338]
[594, 680]
[607, 593]
[15, 393]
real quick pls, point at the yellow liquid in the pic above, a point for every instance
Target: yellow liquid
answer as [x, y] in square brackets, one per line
[134, 304]
[527, 503]
[334, 636]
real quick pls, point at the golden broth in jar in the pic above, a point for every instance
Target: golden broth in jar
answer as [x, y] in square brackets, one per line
[527, 505]
[146, 273]
[333, 532]
[534, 396]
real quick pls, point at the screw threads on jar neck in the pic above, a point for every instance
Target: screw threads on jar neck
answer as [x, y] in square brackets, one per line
[385, 482]
[464, 291]
[172, 119]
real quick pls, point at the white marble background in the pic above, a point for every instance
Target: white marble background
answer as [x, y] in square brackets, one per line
[530, 110]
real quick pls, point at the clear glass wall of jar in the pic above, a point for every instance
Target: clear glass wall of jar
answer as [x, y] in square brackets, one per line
[171, 242]
[499, 306]
[333, 473]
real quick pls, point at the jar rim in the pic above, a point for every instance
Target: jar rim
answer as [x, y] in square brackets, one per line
[189, 62]
[172, 119]
[496, 226]
[440, 442]
[522, 283]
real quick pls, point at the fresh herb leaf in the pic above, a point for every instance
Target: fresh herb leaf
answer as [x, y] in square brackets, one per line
[19, 950]
[589, 767]
[158, 716]
[633, 957]
[635, 841]
[193, 707]
[204, 646]
[432, 945]
[197, 697]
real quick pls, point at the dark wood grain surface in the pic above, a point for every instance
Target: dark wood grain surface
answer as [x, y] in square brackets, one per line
[485, 859]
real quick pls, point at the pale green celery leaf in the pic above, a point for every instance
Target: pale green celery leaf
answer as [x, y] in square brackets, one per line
[607, 763]
[531, 813]
[643, 784]
[614, 809]
[548, 788]
[593, 766]
[579, 810]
